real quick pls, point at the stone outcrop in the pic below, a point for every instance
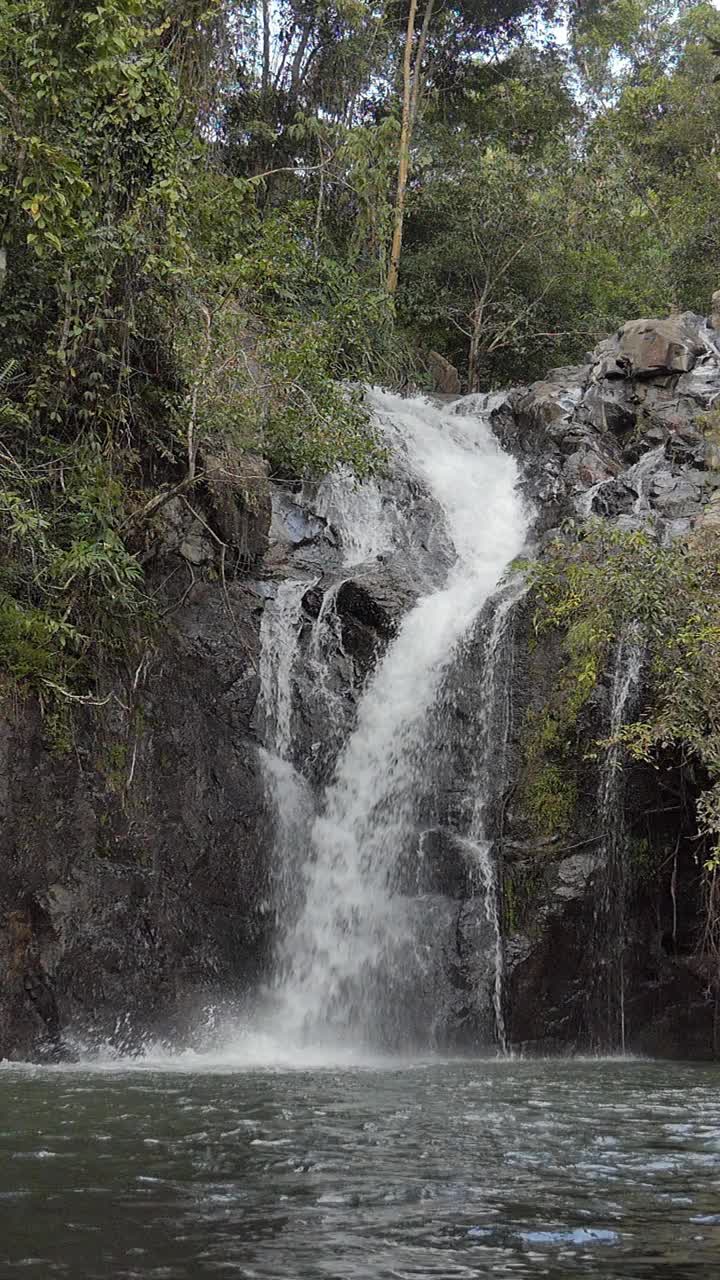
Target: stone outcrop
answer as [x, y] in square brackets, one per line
[646, 348]
[444, 374]
[133, 871]
[134, 868]
[630, 438]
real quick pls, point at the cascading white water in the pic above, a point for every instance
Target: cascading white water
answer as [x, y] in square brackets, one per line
[347, 961]
[363, 521]
[278, 648]
[610, 912]
[490, 735]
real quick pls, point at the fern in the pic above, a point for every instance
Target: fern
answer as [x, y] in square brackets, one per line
[7, 373]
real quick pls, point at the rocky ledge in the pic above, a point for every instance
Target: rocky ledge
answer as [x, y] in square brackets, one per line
[631, 438]
[134, 868]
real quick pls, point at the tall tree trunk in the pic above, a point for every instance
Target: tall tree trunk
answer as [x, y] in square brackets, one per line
[266, 46]
[417, 73]
[404, 156]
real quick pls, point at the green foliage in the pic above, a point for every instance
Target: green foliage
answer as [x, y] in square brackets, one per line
[554, 199]
[522, 886]
[149, 310]
[548, 784]
[196, 205]
[591, 588]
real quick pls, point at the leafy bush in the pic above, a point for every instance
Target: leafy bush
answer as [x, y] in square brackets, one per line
[591, 588]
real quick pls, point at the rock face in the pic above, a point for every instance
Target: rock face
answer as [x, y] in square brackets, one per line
[626, 438]
[652, 347]
[132, 867]
[445, 375]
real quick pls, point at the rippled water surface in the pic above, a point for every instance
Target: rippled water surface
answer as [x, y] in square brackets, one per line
[452, 1170]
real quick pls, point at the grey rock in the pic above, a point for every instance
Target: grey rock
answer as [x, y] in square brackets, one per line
[652, 347]
[293, 524]
[370, 608]
[134, 868]
[585, 468]
[196, 547]
[445, 375]
[607, 406]
[675, 496]
[574, 873]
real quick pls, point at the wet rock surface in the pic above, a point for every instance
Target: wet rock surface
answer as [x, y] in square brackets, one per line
[630, 439]
[134, 869]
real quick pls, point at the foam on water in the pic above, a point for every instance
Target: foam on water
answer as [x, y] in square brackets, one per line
[359, 961]
[352, 953]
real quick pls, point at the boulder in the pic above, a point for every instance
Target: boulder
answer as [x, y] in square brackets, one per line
[715, 311]
[369, 609]
[652, 347]
[607, 406]
[546, 410]
[444, 374]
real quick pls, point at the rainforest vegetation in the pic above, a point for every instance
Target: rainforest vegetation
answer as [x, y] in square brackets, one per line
[217, 219]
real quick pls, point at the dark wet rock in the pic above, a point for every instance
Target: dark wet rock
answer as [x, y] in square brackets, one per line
[574, 873]
[659, 474]
[239, 507]
[133, 867]
[615, 498]
[608, 406]
[443, 865]
[370, 608]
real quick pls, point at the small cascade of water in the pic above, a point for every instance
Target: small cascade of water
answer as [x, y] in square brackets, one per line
[278, 651]
[610, 915]
[490, 734]
[327, 634]
[364, 521]
[640, 477]
[355, 962]
[289, 800]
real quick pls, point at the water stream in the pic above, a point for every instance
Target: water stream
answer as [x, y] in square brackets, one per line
[355, 958]
[610, 911]
[502, 1170]
[490, 733]
[320, 1139]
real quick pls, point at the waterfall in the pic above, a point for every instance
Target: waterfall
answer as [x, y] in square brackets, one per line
[289, 798]
[490, 734]
[610, 912]
[359, 959]
[278, 651]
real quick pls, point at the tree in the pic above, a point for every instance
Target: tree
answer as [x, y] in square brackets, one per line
[461, 29]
